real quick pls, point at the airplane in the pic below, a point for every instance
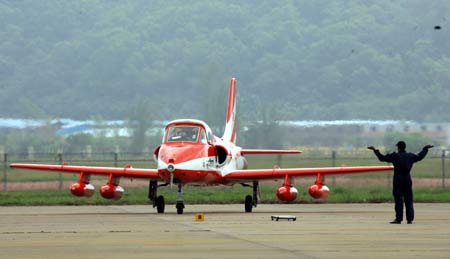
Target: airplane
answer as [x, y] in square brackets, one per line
[190, 154]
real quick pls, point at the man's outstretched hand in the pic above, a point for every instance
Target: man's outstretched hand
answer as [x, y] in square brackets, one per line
[371, 148]
[428, 146]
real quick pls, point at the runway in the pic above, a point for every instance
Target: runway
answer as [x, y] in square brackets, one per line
[320, 231]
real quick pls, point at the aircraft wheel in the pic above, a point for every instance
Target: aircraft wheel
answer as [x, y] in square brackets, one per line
[180, 207]
[248, 203]
[160, 204]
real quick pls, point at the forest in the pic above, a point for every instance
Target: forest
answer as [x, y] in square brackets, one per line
[294, 60]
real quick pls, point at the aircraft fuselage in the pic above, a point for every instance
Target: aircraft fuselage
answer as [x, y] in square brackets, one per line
[196, 157]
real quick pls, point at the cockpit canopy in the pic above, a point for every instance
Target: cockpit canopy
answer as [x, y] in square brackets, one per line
[188, 131]
[183, 133]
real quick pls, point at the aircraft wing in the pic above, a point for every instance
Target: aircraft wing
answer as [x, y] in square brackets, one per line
[268, 151]
[277, 173]
[126, 171]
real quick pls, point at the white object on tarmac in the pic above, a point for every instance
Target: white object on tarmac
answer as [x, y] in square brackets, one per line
[288, 217]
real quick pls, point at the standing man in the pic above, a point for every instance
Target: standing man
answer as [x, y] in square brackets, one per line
[402, 188]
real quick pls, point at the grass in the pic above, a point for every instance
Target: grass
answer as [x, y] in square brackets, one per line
[428, 168]
[217, 195]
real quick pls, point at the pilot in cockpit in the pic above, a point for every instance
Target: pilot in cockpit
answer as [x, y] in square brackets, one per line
[184, 134]
[178, 134]
[194, 133]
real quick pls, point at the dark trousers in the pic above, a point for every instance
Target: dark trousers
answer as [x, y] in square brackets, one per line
[402, 192]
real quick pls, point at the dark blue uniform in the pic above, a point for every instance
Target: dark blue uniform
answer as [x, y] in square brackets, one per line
[402, 184]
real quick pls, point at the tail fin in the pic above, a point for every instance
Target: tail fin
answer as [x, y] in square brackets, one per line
[230, 126]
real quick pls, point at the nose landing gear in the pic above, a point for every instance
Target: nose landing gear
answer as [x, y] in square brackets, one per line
[180, 203]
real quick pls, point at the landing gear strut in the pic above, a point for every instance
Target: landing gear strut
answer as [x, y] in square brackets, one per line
[252, 201]
[158, 201]
[180, 204]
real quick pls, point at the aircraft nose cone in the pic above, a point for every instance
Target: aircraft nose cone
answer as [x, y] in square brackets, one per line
[171, 168]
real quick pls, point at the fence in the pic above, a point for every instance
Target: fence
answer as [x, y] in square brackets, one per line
[432, 167]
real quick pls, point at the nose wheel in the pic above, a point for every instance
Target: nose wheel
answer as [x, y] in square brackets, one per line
[180, 207]
[180, 203]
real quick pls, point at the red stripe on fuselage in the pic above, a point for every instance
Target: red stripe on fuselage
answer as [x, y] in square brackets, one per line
[208, 177]
[201, 170]
[176, 153]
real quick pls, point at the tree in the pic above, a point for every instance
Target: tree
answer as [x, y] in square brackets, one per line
[140, 120]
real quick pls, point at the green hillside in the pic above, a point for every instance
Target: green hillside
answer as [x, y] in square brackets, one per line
[305, 59]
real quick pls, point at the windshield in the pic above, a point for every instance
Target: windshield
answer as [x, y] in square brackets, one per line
[183, 133]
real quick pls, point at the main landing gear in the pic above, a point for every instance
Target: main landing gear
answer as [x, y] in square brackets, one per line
[158, 201]
[252, 201]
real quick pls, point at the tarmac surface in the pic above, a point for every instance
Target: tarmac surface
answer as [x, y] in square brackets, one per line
[320, 231]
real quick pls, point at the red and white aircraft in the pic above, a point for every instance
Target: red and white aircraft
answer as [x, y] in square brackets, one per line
[191, 154]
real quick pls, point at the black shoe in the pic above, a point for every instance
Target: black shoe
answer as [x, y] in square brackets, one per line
[395, 222]
[409, 222]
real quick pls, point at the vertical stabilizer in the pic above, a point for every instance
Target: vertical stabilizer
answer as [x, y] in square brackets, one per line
[230, 126]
